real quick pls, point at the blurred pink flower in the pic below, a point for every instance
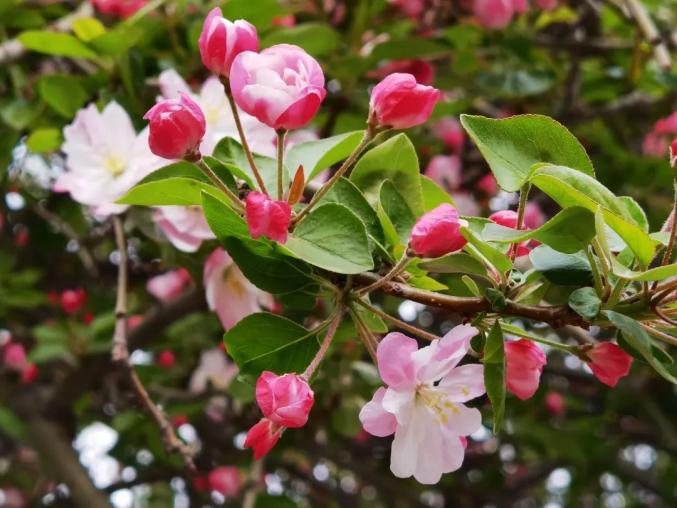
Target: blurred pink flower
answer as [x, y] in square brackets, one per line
[423, 404]
[487, 184]
[494, 13]
[226, 480]
[445, 170]
[398, 101]
[228, 291]
[184, 226]
[14, 356]
[657, 141]
[524, 365]
[412, 8]
[214, 369]
[118, 8]
[104, 158]
[547, 5]
[169, 285]
[282, 86]
[466, 203]
[450, 131]
[423, 72]
[221, 40]
[554, 403]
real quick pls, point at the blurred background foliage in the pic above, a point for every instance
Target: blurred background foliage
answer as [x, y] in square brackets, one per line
[576, 443]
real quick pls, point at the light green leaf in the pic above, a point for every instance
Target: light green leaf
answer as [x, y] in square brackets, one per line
[55, 43]
[265, 341]
[229, 151]
[44, 140]
[456, 262]
[334, 238]
[494, 373]
[658, 273]
[433, 194]
[494, 256]
[318, 155]
[317, 39]
[569, 231]
[393, 160]
[63, 93]
[511, 146]
[88, 28]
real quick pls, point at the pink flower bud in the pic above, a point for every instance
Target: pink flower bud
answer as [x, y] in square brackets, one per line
[118, 8]
[283, 86]
[554, 403]
[285, 400]
[546, 5]
[262, 437]
[494, 13]
[222, 40]
[445, 170]
[437, 232]
[520, 6]
[166, 359]
[450, 131]
[167, 286]
[30, 374]
[399, 102]
[177, 127]
[267, 217]
[508, 219]
[487, 184]
[673, 153]
[72, 300]
[14, 356]
[609, 362]
[524, 364]
[226, 480]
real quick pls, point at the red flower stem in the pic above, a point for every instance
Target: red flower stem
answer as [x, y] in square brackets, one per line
[324, 347]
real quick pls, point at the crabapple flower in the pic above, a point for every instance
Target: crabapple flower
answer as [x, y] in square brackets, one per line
[72, 300]
[412, 8]
[423, 72]
[104, 158]
[14, 356]
[656, 142]
[466, 203]
[546, 5]
[282, 86]
[118, 8]
[487, 184]
[494, 13]
[226, 480]
[222, 40]
[450, 132]
[177, 127]
[423, 404]
[398, 101]
[262, 437]
[554, 403]
[438, 232]
[524, 365]
[184, 226]
[285, 400]
[533, 216]
[609, 362]
[229, 293]
[169, 285]
[166, 359]
[267, 217]
[445, 170]
[214, 369]
[30, 374]
[508, 219]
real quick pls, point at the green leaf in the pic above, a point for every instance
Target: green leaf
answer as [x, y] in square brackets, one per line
[223, 220]
[409, 48]
[571, 188]
[229, 151]
[511, 146]
[433, 194]
[570, 231]
[658, 273]
[494, 373]
[44, 140]
[634, 211]
[585, 302]
[55, 43]
[456, 262]
[318, 155]
[638, 339]
[345, 193]
[87, 28]
[181, 184]
[494, 256]
[396, 217]
[562, 269]
[63, 93]
[334, 238]
[11, 424]
[393, 160]
[318, 39]
[265, 341]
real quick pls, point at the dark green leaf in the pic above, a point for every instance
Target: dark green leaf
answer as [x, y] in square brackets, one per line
[563, 269]
[396, 217]
[585, 302]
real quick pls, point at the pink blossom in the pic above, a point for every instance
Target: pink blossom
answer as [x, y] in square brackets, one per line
[166, 359]
[14, 356]
[30, 374]
[520, 6]
[437, 232]
[412, 8]
[214, 369]
[465, 203]
[533, 216]
[423, 72]
[287, 21]
[398, 101]
[169, 285]
[547, 5]
[184, 226]
[508, 219]
[285, 400]
[73, 300]
[283, 86]
[423, 404]
[118, 8]
[524, 365]
[673, 153]
[487, 184]
[445, 170]
[226, 480]
[494, 13]
[609, 362]
[228, 291]
[450, 131]
[177, 127]
[222, 40]
[262, 437]
[554, 403]
[104, 158]
[267, 217]
[657, 141]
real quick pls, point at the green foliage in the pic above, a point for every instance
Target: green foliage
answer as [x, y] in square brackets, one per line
[494, 373]
[585, 302]
[318, 155]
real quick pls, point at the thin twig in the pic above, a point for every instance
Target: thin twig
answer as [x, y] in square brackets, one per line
[660, 335]
[400, 324]
[249, 500]
[368, 339]
[650, 33]
[324, 347]
[394, 272]
[120, 356]
[220, 185]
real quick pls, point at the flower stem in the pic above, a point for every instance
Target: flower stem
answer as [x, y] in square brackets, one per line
[243, 139]
[324, 347]
[368, 339]
[219, 183]
[595, 272]
[667, 257]
[394, 272]
[521, 208]
[280, 158]
[366, 139]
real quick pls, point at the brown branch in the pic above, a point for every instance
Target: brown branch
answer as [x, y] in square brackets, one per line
[120, 356]
[556, 316]
[649, 32]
